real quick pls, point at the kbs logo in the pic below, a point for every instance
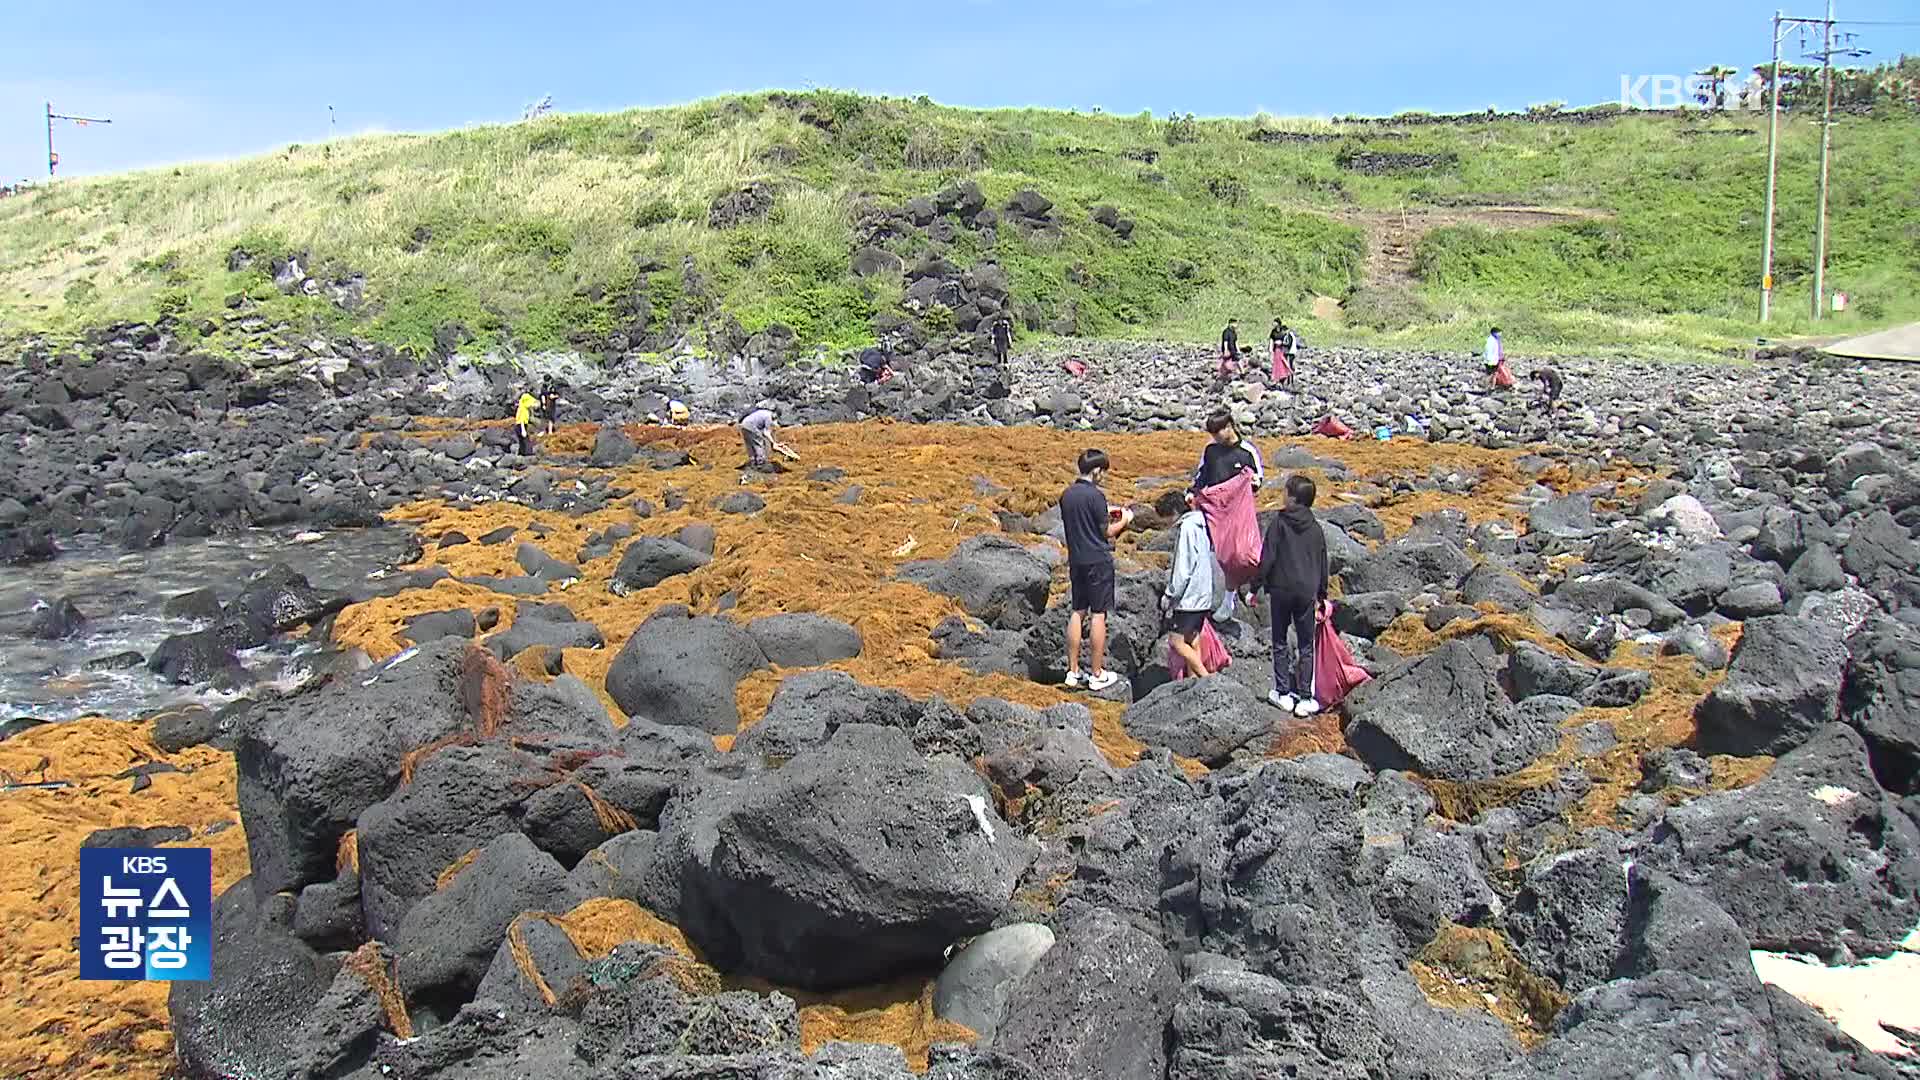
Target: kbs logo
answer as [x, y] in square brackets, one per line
[146, 914]
[1690, 91]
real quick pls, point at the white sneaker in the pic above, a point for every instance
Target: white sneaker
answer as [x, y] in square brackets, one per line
[1283, 702]
[1306, 708]
[1074, 679]
[1103, 681]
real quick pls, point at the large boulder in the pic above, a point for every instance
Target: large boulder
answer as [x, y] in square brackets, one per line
[309, 764]
[199, 657]
[1857, 460]
[243, 1020]
[850, 864]
[1649, 1027]
[459, 799]
[1671, 926]
[1783, 686]
[650, 560]
[1882, 700]
[1204, 719]
[448, 940]
[1445, 716]
[1408, 565]
[798, 639]
[1814, 858]
[994, 579]
[1693, 580]
[1096, 1005]
[1490, 583]
[1238, 1025]
[682, 671]
[1568, 920]
[1132, 630]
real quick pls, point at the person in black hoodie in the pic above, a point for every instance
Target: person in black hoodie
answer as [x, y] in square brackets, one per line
[1293, 571]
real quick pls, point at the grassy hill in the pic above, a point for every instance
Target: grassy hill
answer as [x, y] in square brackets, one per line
[1618, 234]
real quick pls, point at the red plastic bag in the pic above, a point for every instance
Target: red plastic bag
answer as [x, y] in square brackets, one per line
[1213, 653]
[1234, 525]
[1074, 368]
[1335, 672]
[1282, 371]
[1332, 428]
[1502, 375]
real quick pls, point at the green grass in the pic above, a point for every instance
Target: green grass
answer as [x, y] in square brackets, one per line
[529, 235]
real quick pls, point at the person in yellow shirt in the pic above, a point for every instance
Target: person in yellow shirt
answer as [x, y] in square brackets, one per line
[523, 421]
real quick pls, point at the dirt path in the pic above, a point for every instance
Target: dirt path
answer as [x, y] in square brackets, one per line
[1394, 235]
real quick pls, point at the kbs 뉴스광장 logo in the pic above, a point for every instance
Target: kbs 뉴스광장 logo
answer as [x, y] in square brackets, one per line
[146, 913]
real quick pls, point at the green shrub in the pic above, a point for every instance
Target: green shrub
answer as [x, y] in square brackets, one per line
[1386, 308]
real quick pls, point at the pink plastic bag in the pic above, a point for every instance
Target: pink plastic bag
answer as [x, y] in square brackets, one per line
[1282, 371]
[1502, 374]
[1074, 368]
[1335, 672]
[1212, 652]
[1234, 525]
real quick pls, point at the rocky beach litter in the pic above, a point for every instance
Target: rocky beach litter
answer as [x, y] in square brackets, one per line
[618, 775]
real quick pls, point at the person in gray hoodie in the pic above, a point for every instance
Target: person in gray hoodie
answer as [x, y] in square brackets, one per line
[1293, 571]
[1195, 589]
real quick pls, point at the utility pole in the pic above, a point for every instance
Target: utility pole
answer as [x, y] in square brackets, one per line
[53, 159]
[1826, 153]
[1773, 165]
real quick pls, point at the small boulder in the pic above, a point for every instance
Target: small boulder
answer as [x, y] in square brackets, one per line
[650, 560]
[612, 447]
[973, 989]
[798, 639]
[57, 621]
[993, 577]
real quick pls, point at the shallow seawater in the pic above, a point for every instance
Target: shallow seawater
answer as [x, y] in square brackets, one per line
[121, 595]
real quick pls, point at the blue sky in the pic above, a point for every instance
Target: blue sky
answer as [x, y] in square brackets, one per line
[201, 79]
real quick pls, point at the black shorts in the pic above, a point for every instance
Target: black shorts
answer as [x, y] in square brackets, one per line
[1092, 586]
[1188, 623]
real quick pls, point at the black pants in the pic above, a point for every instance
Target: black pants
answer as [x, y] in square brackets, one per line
[526, 441]
[1000, 350]
[1293, 667]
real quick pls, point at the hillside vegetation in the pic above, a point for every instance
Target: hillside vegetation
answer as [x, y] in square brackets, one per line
[1636, 233]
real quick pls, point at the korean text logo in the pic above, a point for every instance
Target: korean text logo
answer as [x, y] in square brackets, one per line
[146, 914]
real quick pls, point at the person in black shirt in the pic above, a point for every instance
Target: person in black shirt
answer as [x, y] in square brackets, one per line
[1002, 338]
[1226, 455]
[549, 400]
[1230, 348]
[874, 366]
[1293, 571]
[1090, 527]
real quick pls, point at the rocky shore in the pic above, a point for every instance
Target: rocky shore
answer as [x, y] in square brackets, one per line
[640, 770]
